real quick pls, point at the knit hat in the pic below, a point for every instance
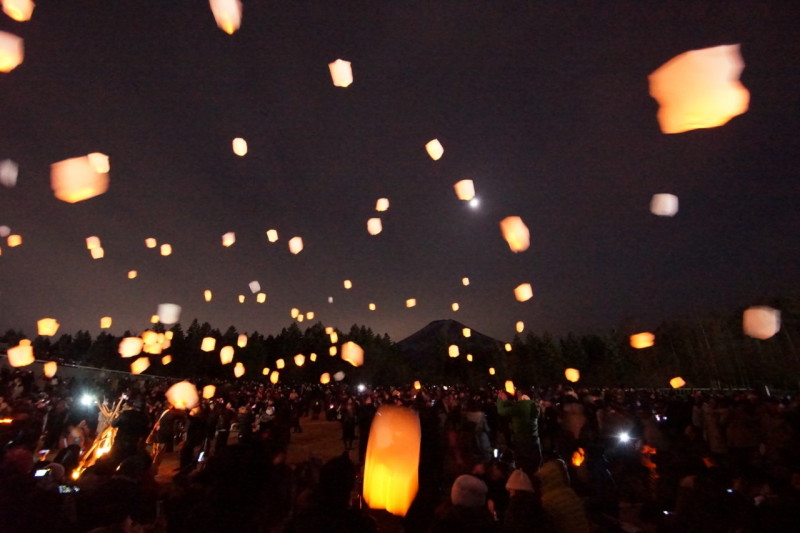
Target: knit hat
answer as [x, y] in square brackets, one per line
[468, 491]
[519, 480]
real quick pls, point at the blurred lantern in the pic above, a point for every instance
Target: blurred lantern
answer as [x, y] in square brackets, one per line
[241, 298]
[12, 51]
[183, 395]
[50, 369]
[465, 190]
[310, 315]
[520, 326]
[92, 242]
[149, 337]
[105, 322]
[341, 73]
[265, 371]
[227, 14]
[240, 147]
[348, 284]
[508, 346]
[325, 378]
[209, 391]
[228, 239]
[274, 377]
[261, 297]
[516, 234]
[47, 327]
[299, 359]
[411, 302]
[374, 226]
[226, 355]
[578, 456]
[9, 171]
[334, 337]
[417, 385]
[330, 299]
[79, 178]
[382, 204]
[154, 319]
[140, 365]
[642, 340]
[328, 330]
[150, 242]
[280, 363]
[132, 274]
[97, 253]
[664, 205]
[294, 312]
[434, 149]
[510, 387]
[241, 342]
[677, 382]
[391, 467]
[699, 89]
[372, 307]
[300, 318]
[20, 355]
[452, 351]
[313, 357]
[169, 334]
[14, 240]
[761, 322]
[130, 346]
[166, 249]
[469, 357]
[572, 374]
[333, 350]
[238, 370]
[208, 344]
[466, 332]
[19, 10]
[169, 314]
[167, 359]
[296, 245]
[254, 286]
[523, 292]
[455, 306]
[4, 231]
[465, 281]
[272, 235]
[207, 295]
[339, 376]
[353, 353]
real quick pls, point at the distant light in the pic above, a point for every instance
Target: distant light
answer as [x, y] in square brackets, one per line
[474, 203]
[87, 400]
[624, 437]
[361, 387]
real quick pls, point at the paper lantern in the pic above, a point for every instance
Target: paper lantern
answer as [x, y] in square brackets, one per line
[9, 171]
[105, 322]
[642, 340]
[150, 242]
[261, 297]
[130, 346]
[452, 351]
[207, 295]
[469, 357]
[699, 89]
[510, 387]
[508, 347]
[239, 147]
[238, 370]
[310, 315]
[20, 355]
[333, 350]
[226, 355]
[677, 382]
[434, 149]
[516, 234]
[296, 245]
[520, 326]
[664, 205]
[272, 235]
[47, 327]
[578, 456]
[169, 314]
[265, 371]
[149, 337]
[140, 365]
[299, 359]
[255, 286]
[572, 374]
[166, 249]
[341, 73]
[411, 302]
[14, 241]
[353, 353]
[374, 226]
[325, 378]
[465, 281]
[328, 330]
[80, 178]
[382, 204]
[241, 298]
[300, 318]
[132, 274]
[92, 242]
[97, 253]
[208, 344]
[455, 306]
[279, 364]
[417, 385]
[154, 319]
[227, 14]
[391, 466]
[334, 337]
[465, 190]
[339, 376]
[274, 377]
[761, 322]
[313, 357]
[330, 299]
[228, 239]
[491, 371]
[50, 369]
[12, 51]
[523, 292]
[19, 10]
[241, 341]
[167, 359]
[294, 312]
[466, 332]
[348, 284]
[372, 307]
[209, 391]
[4, 231]
[183, 395]
[168, 334]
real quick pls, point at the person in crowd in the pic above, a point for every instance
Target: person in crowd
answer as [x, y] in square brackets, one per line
[466, 512]
[524, 513]
[562, 505]
[524, 415]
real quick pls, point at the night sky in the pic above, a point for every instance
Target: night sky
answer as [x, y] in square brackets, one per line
[544, 105]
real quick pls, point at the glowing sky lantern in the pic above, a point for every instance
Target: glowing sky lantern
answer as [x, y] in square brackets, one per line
[254, 286]
[699, 89]
[334, 337]
[578, 456]
[154, 319]
[411, 302]
[382, 204]
[14, 240]
[226, 355]
[348, 284]
[339, 376]
[50, 369]
[300, 318]
[391, 466]
[325, 378]
[491, 371]
[510, 387]
[294, 312]
[105, 322]
[523, 292]
[296, 245]
[238, 370]
[572, 374]
[274, 377]
[4, 231]
[169, 334]
[241, 341]
[299, 359]
[417, 385]
[140, 365]
[12, 51]
[761, 322]
[452, 351]
[166, 249]
[465, 281]
[508, 347]
[341, 73]
[130, 346]
[265, 371]
[98, 253]
[374, 226]
[132, 274]
[520, 326]
[20, 355]
[465, 190]
[47, 327]
[333, 350]
[372, 307]
[19, 10]
[353, 353]
[207, 295]
[330, 299]
[92, 242]
[209, 391]
[150, 242]
[169, 314]
[149, 337]
[455, 306]
[516, 234]
[227, 14]
[228, 239]
[9, 171]
[80, 178]
[183, 395]
[434, 149]
[241, 298]
[272, 235]
[642, 340]
[280, 363]
[239, 147]
[677, 382]
[664, 205]
[313, 357]
[261, 297]
[469, 357]
[310, 315]
[466, 332]
[167, 359]
[208, 344]
[328, 330]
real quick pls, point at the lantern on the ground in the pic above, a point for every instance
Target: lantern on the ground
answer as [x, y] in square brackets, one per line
[239, 147]
[382, 204]
[227, 14]
[238, 370]
[105, 322]
[92, 242]
[207, 295]
[299, 359]
[296, 245]
[20, 355]
[642, 340]
[677, 382]
[241, 341]
[47, 327]
[664, 205]
[208, 344]
[516, 234]
[466, 332]
[411, 302]
[523, 292]
[325, 378]
[572, 374]
[374, 226]
[130, 346]
[341, 73]
[50, 369]
[19, 10]
[183, 395]
[80, 178]
[465, 190]
[226, 355]
[150, 242]
[209, 391]
[140, 365]
[272, 235]
[761, 322]
[434, 149]
[353, 353]
[453, 351]
[169, 314]
[12, 51]
[228, 239]
[166, 249]
[510, 387]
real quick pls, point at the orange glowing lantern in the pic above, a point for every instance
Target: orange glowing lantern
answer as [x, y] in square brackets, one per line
[169, 314]
[241, 298]
[150, 242]
[14, 240]
[169, 334]
[417, 385]
[664, 205]
[207, 295]
[208, 344]
[523, 292]
[132, 274]
[140, 365]
[296, 245]
[453, 351]
[92, 242]
[274, 377]
[226, 355]
[465, 281]
[166, 249]
[294, 312]
[183, 395]
[265, 371]
[12, 51]
[310, 315]
[520, 326]
[313, 357]
[382, 204]
[328, 330]
[228, 239]
[238, 370]
[209, 391]
[19, 10]
[466, 332]
[374, 226]
[167, 359]
[341, 73]
[227, 14]
[97, 253]
[80, 178]
[272, 235]
[47, 327]
[677, 382]
[572, 374]
[761, 322]
[149, 337]
[491, 371]
[332, 351]
[105, 322]
[642, 340]
[434, 149]
[299, 359]
[300, 318]
[455, 306]
[130, 346]
[469, 357]
[261, 297]
[20, 355]
[353, 353]
[239, 147]
[241, 341]
[348, 284]
[50, 369]
[516, 234]
[372, 307]
[154, 319]
[279, 364]
[411, 302]
[578, 456]
[507, 346]
[510, 387]
[334, 337]
[325, 378]
[465, 190]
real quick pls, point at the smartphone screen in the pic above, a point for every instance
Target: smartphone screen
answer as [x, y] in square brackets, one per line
[41, 472]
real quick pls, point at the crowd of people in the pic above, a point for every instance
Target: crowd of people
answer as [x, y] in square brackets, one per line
[556, 459]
